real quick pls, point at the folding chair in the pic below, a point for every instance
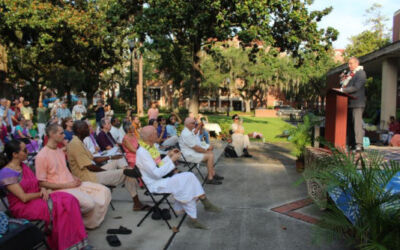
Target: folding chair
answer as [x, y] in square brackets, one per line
[189, 165]
[157, 203]
[36, 227]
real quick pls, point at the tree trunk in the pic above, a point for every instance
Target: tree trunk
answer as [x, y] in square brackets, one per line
[139, 88]
[247, 105]
[195, 78]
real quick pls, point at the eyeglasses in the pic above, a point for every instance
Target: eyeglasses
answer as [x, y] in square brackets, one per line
[25, 150]
[236, 118]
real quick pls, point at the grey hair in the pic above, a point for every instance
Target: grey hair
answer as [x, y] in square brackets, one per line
[103, 122]
[126, 126]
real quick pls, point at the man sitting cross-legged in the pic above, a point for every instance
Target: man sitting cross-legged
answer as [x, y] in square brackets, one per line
[82, 165]
[53, 174]
[194, 151]
[185, 187]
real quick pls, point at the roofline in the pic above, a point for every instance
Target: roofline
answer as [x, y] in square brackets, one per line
[397, 12]
[387, 50]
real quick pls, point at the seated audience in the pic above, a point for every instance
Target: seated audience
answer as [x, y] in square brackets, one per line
[137, 125]
[104, 138]
[22, 133]
[27, 200]
[166, 141]
[196, 152]
[115, 130]
[130, 144]
[90, 140]
[203, 133]
[185, 187]
[240, 141]
[67, 126]
[53, 174]
[172, 124]
[84, 165]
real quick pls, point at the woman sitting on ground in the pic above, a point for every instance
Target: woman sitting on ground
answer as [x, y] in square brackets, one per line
[60, 211]
[240, 141]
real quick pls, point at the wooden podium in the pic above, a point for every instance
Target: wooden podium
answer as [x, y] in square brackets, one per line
[336, 117]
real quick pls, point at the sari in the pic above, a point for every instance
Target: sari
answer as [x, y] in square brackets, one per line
[60, 213]
[130, 156]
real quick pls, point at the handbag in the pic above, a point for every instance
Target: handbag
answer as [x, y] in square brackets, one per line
[230, 152]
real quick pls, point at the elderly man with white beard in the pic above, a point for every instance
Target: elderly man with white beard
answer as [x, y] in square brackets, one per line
[185, 187]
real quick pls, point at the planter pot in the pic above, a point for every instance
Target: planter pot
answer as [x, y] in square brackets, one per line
[300, 165]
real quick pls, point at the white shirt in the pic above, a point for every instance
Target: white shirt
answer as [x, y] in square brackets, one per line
[151, 174]
[90, 145]
[78, 111]
[116, 134]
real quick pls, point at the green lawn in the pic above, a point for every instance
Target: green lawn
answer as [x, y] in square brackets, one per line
[269, 127]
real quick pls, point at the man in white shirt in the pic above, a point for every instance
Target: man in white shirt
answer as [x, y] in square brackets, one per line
[185, 187]
[79, 111]
[196, 152]
[115, 131]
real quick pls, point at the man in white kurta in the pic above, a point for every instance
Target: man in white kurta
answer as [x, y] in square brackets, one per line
[185, 187]
[194, 151]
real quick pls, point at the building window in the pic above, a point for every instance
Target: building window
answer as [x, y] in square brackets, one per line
[155, 94]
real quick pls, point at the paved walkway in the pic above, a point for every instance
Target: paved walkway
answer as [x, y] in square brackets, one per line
[251, 189]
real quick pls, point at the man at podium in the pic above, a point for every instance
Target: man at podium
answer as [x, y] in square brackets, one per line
[353, 83]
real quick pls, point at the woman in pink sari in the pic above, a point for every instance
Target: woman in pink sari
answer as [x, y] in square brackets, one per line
[59, 210]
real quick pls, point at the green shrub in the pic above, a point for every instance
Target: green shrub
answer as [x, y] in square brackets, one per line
[300, 135]
[378, 219]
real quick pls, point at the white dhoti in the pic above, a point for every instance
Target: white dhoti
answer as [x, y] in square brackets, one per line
[93, 201]
[240, 142]
[185, 188]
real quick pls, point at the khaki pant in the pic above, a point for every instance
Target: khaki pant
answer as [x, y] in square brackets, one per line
[358, 125]
[114, 176]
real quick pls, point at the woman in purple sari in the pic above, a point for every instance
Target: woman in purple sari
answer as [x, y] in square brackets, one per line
[60, 211]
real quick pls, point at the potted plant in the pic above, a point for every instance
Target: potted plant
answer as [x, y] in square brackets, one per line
[365, 195]
[300, 136]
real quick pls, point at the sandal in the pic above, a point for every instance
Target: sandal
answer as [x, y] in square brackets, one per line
[143, 208]
[120, 230]
[113, 240]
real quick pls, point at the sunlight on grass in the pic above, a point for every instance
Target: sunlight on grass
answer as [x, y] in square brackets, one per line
[271, 128]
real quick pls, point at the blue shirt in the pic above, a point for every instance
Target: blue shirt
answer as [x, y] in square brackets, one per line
[159, 130]
[171, 129]
[68, 135]
[63, 113]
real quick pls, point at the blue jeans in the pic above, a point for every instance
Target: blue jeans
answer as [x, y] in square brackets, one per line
[205, 135]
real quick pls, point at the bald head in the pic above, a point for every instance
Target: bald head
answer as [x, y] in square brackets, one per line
[189, 120]
[148, 133]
